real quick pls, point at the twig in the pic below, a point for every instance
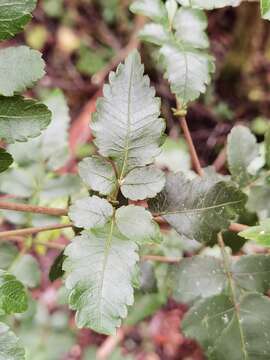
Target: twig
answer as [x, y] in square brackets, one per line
[32, 209]
[49, 244]
[162, 259]
[134, 43]
[235, 227]
[31, 231]
[192, 150]
[220, 160]
[110, 344]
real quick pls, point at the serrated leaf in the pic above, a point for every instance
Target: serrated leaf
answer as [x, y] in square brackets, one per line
[260, 233]
[54, 140]
[99, 263]
[198, 277]
[155, 33]
[188, 70]
[190, 26]
[26, 269]
[126, 125]
[154, 9]
[13, 298]
[98, 174]
[208, 4]
[200, 208]
[90, 212]
[5, 160]
[229, 332]
[14, 15]
[265, 9]
[29, 69]
[137, 224]
[10, 346]
[21, 118]
[142, 183]
[242, 150]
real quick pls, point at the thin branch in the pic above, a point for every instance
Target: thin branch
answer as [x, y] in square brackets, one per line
[192, 150]
[162, 259]
[110, 344]
[32, 209]
[32, 231]
[220, 160]
[235, 227]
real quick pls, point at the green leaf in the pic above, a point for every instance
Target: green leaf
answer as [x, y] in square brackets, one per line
[13, 298]
[198, 209]
[8, 253]
[142, 183]
[228, 332]
[198, 277]
[188, 70]
[56, 270]
[154, 9]
[242, 150]
[90, 212]
[10, 346]
[267, 146]
[21, 118]
[54, 140]
[60, 187]
[98, 174]
[5, 160]
[259, 200]
[190, 26]
[260, 234]
[137, 224]
[208, 4]
[126, 125]
[155, 33]
[265, 9]
[14, 15]
[26, 269]
[100, 266]
[29, 67]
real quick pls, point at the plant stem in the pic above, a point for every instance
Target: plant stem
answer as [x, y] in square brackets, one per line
[192, 150]
[162, 259]
[32, 209]
[32, 231]
[235, 227]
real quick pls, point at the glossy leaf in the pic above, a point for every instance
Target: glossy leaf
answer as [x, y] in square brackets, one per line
[5, 160]
[228, 332]
[99, 263]
[21, 119]
[29, 68]
[13, 298]
[142, 183]
[90, 212]
[242, 150]
[200, 208]
[126, 125]
[137, 224]
[209, 4]
[14, 15]
[56, 270]
[98, 174]
[10, 346]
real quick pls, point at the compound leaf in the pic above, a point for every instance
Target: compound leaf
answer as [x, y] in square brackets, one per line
[29, 68]
[21, 118]
[137, 224]
[14, 15]
[142, 183]
[5, 160]
[98, 174]
[208, 4]
[126, 125]
[10, 346]
[200, 208]
[90, 212]
[100, 266]
[242, 150]
[13, 298]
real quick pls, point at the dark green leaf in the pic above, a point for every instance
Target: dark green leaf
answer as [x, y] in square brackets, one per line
[5, 160]
[56, 270]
